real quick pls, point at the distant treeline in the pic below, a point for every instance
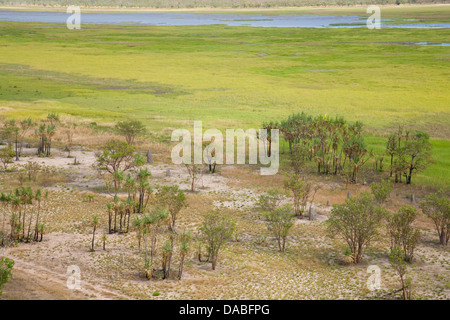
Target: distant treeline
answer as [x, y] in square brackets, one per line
[211, 3]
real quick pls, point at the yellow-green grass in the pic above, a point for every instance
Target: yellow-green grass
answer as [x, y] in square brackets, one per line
[230, 77]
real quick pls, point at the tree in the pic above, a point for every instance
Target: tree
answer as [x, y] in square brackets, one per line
[116, 157]
[357, 222]
[381, 191]
[184, 249]
[418, 152]
[410, 153]
[436, 206]
[25, 125]
[193, 173]
[6, 157]
[52, 118]
[402, 234]
[167, 251]
[173, 199]
[6, 266]
[130, 129]
[94, 224]
[143, 187]
[70, 131]
[398, 263]
[281, 221]
[301, 191]
[215, 230]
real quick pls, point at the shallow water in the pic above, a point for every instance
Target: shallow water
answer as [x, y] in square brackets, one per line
[182, 19]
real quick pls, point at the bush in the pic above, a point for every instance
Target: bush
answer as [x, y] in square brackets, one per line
[6, 266]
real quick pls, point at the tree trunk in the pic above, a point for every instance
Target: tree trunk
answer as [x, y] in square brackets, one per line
[93, 238]
[214, 262]
[180, 271]
[403, 288]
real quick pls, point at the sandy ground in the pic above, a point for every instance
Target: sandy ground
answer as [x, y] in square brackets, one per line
[112, 274]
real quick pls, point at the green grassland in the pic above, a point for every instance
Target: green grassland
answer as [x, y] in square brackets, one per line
[231, 77]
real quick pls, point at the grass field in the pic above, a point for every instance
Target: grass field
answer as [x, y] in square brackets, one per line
[231, 77]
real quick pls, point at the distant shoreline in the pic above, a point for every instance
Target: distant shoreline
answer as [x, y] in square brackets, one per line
[304, 9]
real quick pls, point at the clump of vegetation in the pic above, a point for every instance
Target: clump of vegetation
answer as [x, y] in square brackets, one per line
[130, 129]
[281, 221]
[24, 206]
[410, 153]
[215, 231]
[357, 222]
[302, 191]
[172, 198]
[381, 191]
[270, 200]
[402, 234]
[6, 266]
[436, 206]
[397, 261]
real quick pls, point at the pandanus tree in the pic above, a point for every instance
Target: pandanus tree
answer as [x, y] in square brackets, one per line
[143, 187]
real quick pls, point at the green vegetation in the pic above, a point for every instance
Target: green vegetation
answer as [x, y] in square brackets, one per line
[357, 222]
[436, 206]
[232, 77]
[6, 266]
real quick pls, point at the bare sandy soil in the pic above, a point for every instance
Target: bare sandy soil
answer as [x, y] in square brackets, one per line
[250, 267]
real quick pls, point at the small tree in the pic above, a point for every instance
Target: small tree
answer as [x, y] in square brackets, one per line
[167, 251]
[6, 157]
[381, 191]
[281, 221]
[301, 190]
[94, 223]
[418, 154]
[270, 200]
[436, 206]
[216, 229]
[293, 183]
[184, 249]
[402, 233]
[399, 265]
[116, 157]
[143, 187]
[70, 131]
[130, 129]
[104, 241]
[357, 222]
[193, 173]
[172, 198]
[6, 266]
